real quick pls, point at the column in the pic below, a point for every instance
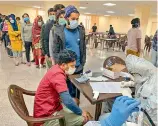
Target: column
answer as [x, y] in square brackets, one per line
[143, 12]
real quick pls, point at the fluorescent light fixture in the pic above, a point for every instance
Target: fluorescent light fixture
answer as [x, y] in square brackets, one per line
[82, 7]
[111, 12]
[87, 13]
[131, 15]
[109, 4]
[37, 7]
[106, 15]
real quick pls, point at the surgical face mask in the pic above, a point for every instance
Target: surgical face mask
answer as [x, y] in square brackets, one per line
[26, 19]
[52, 17]
[70, 71]
[12, 21]
[73, 24]
[62, 21]
[39, 23]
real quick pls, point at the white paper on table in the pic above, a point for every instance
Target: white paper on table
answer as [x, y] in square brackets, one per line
[100, 78]
[106, 87]
[93, 123]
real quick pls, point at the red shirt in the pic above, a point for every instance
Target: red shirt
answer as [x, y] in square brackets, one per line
[47, 99]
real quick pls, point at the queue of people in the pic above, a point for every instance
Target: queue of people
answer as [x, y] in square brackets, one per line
[61, 42]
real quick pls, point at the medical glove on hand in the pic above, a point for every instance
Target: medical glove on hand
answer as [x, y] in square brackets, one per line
[123, 107]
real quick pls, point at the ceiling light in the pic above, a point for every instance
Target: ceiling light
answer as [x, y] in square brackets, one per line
[82, 7]
[37, 7]
[107, 15]
[87, 13]
[111, 12]
[109, 4]
[131, 14]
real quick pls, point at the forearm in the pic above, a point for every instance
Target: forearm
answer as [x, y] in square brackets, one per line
[69, 103]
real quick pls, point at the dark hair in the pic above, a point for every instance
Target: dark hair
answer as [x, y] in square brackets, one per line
[135, 22]
[66, 56]
[110, 25]
[59, 12]
[50, 10]
[7, 18]
[25, 14]
[58, 7]
[75, 11]
[17, 18]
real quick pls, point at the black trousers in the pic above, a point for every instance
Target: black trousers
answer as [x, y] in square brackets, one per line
[28, 46]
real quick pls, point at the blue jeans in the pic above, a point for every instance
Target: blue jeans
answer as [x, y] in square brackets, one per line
[154, 56]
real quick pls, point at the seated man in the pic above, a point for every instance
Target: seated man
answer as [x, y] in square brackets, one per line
[52, 96]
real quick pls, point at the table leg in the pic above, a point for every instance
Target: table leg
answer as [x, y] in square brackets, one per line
[98, 111]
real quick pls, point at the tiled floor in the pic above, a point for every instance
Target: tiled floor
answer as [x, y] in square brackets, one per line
[29, 78]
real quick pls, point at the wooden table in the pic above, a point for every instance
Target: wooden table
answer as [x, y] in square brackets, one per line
[87, 91]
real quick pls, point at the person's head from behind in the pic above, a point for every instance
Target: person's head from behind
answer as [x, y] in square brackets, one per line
[58, 7]
[72, 16]
[135, 23]
[110, 25]
[81, 23]
[51, 14]
[18, 19]
[67, 61]
[60, 19]
[26, 18]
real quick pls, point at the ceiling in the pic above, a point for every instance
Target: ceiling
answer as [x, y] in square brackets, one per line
[122, 8]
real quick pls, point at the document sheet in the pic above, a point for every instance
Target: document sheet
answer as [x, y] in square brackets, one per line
[106, 87]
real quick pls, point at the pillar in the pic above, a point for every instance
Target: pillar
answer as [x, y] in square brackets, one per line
[143, 12]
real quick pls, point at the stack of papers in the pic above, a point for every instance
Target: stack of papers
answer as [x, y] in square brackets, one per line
[98, 79]
[106, 87]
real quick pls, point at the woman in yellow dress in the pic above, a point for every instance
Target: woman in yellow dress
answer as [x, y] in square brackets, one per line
[15, 38]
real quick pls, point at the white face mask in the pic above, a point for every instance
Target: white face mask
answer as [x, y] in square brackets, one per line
[70, 71]
[39, 23]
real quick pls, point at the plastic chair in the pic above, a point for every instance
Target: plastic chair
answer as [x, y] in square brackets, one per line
[112, 60]
[15, 94]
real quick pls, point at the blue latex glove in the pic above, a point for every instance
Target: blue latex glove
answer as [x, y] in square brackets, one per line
[122, 109]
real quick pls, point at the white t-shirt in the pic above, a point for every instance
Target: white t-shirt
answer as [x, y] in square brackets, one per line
[132, 35]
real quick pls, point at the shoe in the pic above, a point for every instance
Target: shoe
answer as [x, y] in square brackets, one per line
[33, 60]
[9, 47]
[17, 64]
[44, 66]
[28, 64]
[37, 66]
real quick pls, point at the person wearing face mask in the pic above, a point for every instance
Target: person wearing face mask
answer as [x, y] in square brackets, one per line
[49, 24]
[37, 52]
[60, 20]
[26, 34]
[14, 31]
[52, 96]
[70, 36]
[134, 36]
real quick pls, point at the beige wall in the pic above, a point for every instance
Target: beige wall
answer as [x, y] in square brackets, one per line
[18, 10]
[122, 23]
